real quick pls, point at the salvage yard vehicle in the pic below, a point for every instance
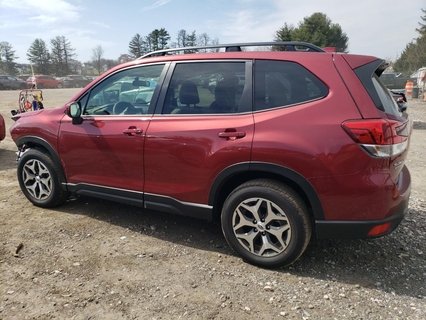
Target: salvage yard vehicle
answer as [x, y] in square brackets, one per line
[41, 81]
[393, 80]
[276, 146]
[75, 81]
[11, 83]
[2, 128]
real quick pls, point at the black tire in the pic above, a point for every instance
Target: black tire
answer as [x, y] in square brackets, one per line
[40, 179]
[285, 228]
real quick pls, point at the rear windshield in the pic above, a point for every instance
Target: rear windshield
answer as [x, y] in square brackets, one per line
[369, 75]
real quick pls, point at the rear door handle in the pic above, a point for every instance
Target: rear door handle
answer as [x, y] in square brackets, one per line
[132, 131]
[232, 134]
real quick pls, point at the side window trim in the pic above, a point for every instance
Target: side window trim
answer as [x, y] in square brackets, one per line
[158, 89]
[166, 83]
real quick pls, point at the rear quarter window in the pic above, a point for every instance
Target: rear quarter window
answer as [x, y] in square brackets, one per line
[284, 83]
[370, 76]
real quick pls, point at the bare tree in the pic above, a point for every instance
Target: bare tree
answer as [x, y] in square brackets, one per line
[203, 39]
[181, 38]
[61, 54]
[97, 58]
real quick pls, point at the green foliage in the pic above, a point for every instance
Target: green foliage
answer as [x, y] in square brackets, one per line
[316, 29]
[191, 39]
[39, 56]
[7, 58]
[137, 46]
[422, 28]
[414, 55]
[157, 39]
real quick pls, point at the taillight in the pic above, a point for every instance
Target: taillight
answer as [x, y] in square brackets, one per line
[380, 137]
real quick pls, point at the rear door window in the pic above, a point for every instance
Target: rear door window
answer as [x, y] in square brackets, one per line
[208, 88]
[284, 83]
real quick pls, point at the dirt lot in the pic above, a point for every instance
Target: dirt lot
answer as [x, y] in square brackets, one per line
[92, 259]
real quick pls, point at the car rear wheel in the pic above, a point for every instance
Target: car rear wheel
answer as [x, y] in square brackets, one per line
[267, 223]
[40, 179]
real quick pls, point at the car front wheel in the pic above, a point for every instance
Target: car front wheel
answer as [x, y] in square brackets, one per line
[40, 179]
[267, 223]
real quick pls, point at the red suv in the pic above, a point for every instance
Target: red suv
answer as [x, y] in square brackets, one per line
[279, 146]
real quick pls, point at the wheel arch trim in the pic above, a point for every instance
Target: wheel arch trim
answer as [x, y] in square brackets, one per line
[244, 168]
[33, 140]
[28, 140]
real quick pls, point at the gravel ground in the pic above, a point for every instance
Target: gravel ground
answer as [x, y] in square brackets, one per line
[93, 259]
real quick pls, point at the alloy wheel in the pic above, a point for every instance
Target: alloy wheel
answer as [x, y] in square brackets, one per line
[37, 179]
[261, 227]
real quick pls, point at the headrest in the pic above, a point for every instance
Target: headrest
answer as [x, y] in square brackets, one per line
[188, 93]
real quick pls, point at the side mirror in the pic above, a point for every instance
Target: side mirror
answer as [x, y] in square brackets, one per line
[74, 111]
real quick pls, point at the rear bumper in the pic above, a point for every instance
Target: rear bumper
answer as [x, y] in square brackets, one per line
[349, 229]
[356, 229]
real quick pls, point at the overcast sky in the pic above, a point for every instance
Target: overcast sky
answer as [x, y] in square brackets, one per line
[376, 27]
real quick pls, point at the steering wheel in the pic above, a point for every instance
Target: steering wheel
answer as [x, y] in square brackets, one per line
[123, 107]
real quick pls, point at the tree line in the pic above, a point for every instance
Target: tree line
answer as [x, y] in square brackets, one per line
[414, 55]
[159, 39]
[59, 57]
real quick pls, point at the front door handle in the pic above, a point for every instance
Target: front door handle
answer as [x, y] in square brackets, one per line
[132, 131]
[232, 134]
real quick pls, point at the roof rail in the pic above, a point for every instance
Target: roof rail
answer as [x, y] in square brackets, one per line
[287, 46]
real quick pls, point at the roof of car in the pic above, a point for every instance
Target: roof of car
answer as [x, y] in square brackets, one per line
[303, 50]
[238, 47]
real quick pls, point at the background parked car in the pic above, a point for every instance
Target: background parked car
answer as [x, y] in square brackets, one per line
[44, 82]
[2, 128]
[75, 81]
[11, 82]
[394, 80]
